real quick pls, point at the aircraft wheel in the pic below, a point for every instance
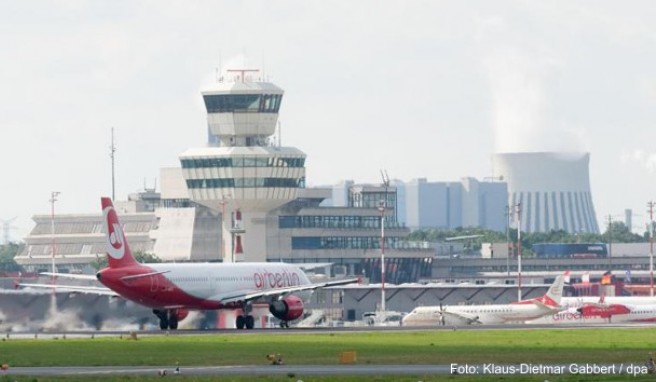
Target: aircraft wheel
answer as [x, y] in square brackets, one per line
[249, 322]
[240, 322]
[173, 319]
[163, 323]
[163, 318]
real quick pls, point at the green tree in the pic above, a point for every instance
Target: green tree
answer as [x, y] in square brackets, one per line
[619, 233]
[140, 256]
[7, 254]
[144, 257]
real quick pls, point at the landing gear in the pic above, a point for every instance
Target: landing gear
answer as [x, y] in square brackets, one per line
[247, 322]
[173, 319]
[168, 318]
[284, 324]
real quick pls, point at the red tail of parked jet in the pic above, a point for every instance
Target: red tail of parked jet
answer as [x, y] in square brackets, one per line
[552, 298]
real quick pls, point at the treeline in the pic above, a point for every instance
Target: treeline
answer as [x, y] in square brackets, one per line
[7, 254]
[618, 233]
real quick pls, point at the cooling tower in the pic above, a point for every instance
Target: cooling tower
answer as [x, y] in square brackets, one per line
[553, 189]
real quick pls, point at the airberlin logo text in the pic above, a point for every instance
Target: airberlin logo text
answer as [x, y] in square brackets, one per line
[275, 280]
[115, 248]
[115, 238]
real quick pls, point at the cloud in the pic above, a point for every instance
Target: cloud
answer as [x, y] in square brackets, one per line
[645, 160]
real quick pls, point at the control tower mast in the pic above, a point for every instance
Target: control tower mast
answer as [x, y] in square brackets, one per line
[242, 169]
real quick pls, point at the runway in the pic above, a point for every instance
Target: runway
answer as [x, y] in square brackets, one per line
[234, 370]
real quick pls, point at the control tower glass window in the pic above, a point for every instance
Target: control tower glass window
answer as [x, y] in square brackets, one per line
[228, 103]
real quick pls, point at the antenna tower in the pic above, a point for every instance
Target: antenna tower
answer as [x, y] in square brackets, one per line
[112, 150]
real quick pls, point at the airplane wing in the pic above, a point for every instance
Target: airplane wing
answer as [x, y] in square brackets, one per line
[546, 307]
[462, 316]
[255, 294]
[312, 266]
[102, 291]
[71, 276]
[73, 288]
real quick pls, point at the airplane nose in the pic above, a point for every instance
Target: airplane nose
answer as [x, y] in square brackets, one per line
[98, 276]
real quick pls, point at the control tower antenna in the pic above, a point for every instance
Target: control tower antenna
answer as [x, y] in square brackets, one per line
[279, 134]
[112, 150]
[243, 72]
[263, 70]
[219, 71]
[383, 205]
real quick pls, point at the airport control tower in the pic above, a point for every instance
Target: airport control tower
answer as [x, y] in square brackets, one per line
[242, 169]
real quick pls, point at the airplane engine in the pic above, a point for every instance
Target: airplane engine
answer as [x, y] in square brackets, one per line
[287, 309]
[182, 314]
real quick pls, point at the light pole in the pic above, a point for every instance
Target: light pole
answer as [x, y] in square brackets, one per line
[651, 247]
[519, 251]
[223, 230]
[610, 243]
[382, 256]
[382, 207]
[53, 199]
[53, 297]
[508, 213]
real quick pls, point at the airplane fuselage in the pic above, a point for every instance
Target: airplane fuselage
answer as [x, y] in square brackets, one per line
[199, 286]
[638, 313]
[482, 314]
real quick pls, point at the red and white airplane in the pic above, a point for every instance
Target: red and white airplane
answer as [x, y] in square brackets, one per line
[601, 312]
[489, 314]
[172, 289]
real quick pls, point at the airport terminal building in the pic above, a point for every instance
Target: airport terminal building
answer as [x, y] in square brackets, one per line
[243, 177]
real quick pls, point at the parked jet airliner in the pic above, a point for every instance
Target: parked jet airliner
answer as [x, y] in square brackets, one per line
[489, 314]
[172, 289]
[601, 312]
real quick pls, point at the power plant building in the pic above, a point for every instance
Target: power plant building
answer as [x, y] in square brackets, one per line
[551, 188]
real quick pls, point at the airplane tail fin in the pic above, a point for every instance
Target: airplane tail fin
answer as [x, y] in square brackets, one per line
[555, 292]
[116, 245]
[551, 300]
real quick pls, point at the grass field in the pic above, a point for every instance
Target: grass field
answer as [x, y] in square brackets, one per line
[557, 346]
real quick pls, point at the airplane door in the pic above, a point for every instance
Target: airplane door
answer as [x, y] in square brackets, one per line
[154, 283]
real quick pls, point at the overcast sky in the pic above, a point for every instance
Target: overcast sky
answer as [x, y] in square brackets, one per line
[420, 88]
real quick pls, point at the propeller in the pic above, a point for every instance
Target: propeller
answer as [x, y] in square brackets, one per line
[441, 314]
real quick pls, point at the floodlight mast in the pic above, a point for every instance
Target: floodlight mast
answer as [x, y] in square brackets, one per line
[112, 150]
[651, 247]
[519, 251]
[382, 207]
[53, 199]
